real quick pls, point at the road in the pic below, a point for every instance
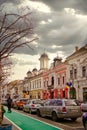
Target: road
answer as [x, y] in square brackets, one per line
[65, 124]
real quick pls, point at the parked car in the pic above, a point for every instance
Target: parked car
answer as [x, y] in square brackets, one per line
[78, 102]
[60, 109]
[4, 101]
[84, 106]
[18, 104]
[14, 102]
[32, 105]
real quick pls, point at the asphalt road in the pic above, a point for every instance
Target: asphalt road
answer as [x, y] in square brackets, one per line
[65, 124]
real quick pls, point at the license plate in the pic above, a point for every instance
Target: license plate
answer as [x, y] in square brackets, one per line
[74, 110]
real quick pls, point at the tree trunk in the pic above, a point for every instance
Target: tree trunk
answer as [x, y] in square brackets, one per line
[0, 112]
[1, 106]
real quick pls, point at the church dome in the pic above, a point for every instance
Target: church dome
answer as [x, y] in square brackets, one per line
[34, 69]
[44, 55]
[29, 72]
[57, 59]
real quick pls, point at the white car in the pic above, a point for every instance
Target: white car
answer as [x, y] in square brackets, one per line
[4, 101]
[32, 105]
[60, 109]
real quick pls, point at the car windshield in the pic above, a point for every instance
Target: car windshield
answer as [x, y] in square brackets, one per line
[23, 100]
[36, 102]
[70, 103]
[55, 103]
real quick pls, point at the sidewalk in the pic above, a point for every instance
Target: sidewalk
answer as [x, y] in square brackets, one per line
[6, 121]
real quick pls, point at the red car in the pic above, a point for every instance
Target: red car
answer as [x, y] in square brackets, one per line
[18, 104]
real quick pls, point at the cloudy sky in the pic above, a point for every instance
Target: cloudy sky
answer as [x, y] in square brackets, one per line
[60, 25]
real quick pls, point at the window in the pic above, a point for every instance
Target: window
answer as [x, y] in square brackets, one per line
[52, 80]
[84, 71]
[71, 74]
[51, 103]
[58, 81]
[70, 103]
[58, 102]
[33, 85]
[63, 79]
[75, 73]
[40, 83]
[47, 103]
[44, 84]
[47, 83]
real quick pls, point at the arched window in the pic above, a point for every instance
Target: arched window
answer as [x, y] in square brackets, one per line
[52, 81]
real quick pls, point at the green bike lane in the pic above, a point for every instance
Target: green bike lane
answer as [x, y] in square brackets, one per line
[25, 122]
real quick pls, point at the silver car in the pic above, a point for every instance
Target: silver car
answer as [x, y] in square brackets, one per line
[60, 109]
[32, 105]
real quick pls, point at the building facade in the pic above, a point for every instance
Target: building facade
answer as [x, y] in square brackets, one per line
[62, 80]
[54, 80]
[77, 73]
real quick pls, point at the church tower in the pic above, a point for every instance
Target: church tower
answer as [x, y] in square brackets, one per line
[44, 61]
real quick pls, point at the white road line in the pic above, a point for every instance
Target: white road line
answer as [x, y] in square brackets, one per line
[13, 123]
[40, 121]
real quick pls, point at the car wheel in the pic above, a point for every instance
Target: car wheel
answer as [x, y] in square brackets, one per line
[54, 116]
[17, 107]
[30, 111]
[23, 109]
[38, 113]
[74, 119]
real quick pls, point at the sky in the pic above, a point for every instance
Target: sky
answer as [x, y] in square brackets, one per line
[60, 26]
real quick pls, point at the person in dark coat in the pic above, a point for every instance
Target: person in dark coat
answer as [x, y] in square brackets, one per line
[84, 120]
[9, 103]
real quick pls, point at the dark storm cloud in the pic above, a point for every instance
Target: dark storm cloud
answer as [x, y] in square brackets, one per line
[79, 5]
[26, 50]
[10, 1]
[57, 27]
[65, 30]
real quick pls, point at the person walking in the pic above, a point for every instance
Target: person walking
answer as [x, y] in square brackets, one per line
[9, 103]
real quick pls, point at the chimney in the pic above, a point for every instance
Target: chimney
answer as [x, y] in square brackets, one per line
[76, 48]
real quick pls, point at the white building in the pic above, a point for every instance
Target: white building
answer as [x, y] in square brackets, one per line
[77, 72]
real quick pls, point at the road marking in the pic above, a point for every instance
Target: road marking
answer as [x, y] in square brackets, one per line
[40, 121]
[13, 123]
[50, 125]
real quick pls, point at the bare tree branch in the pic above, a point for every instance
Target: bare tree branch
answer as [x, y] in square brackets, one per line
[16, 30]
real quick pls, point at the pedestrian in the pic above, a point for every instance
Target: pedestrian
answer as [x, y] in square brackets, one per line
[84, 120]
[9, 103]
